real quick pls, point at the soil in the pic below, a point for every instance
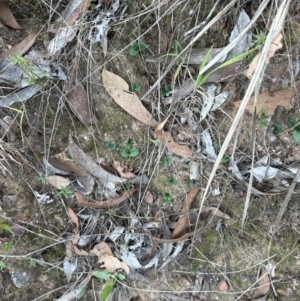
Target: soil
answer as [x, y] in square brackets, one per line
[33, 268]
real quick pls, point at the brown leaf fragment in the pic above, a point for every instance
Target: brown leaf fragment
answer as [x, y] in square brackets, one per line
[111, 203]
[148, 197]
[107, 260]
[6, 16]
[123, 170]
[78, 101]
[118, 89]
[183, 221]
[223, 286]
[20, 48]
[173, 147]
[74, 218]
[275, 45]
[269, 101]
[74, 9]
[58, 182]
[161, 125]
[215, 212]
[264, 284]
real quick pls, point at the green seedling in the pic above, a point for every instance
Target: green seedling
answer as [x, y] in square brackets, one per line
[166, 161]
[22, 113]
[111, 145]
[2, 265]
[164, 91]
[42, 178]
[225, 159]
[64, 192]
[111, 279]
[168, 198]
[32, 263]
[277, 128]
[217, 148]
[171, 180]
[187, 181]
[261, 118]
[137, 47]
[134, 87]
[201, 78]
[8, 244]
[129, 151]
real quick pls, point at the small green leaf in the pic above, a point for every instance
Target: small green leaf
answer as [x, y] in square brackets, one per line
[107, 289]
[142, 46]
[225, 159]
[277, 128]
[121, 276]
[105, 274]
[168, 198]
[171, 180]
[134, 87]
[291, 122]
[167, 161]
[82, 292]
[133, 152]
[124, 153]
[133, 51]
[187, 181]
[5, 227]
[296, 135]
[7, 247]
[110, 145]
[2, 265]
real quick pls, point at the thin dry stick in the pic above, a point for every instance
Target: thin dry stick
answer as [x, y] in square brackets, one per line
[286, 200]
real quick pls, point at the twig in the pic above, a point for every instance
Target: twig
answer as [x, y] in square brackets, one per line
[286, 200]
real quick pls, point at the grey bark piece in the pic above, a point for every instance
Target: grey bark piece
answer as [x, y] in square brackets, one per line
[19, 96]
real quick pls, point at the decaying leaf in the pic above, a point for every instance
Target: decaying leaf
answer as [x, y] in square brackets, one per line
[183, 221]
[73, 217]
[161, 125]
[74, 9]
[86, 163]
[20, 48]
[148, 197]
[173, 147]
[269, 101]
[107, 260]
[111, 203]
[78, 101]
[6, 16]
[275, 45]
[58, 182]
[118, 89]
[264, 285]
[123, 170]
[214, 212]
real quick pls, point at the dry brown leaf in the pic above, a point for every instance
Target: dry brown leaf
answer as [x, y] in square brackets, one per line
[20, 48]
[58, 182]
[78, 101]
[223, 286]
[123, 170]
[73, 217]
[173, 147]
[264, 285]
[215, 212]
[67, 166]
[160, 126]
[118, 89]
[105, 204]
[269, 101]
[107, 260]
[6, 16]
[74, 9]
[275, 45]
[148, 197]
[183, 221]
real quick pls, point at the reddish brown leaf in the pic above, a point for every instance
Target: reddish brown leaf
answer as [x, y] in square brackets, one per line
[79, 103]
[105, 204]
[74, 9]
[73, 217]
[6, 16]
[215, 211]
[269, 101]
[264, 285]
[123, 171]
[20, 48]
[173, 147]
[118, 89]
[183, 221]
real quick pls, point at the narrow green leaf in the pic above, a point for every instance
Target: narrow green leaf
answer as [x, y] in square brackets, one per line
[121, 276]
[277, 128]
[82, 292]
[203, 64]
[296, 136]
[7, 247]
[225, 159]
[107, 289]
[105, 274]
[5, 227]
